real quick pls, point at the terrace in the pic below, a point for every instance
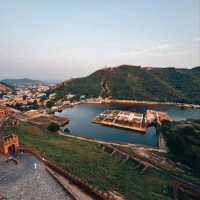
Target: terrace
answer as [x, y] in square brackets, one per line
[130, 120]
[122, 119]
[28, 180]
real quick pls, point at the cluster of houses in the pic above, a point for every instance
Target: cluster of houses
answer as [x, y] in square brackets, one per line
[27, 98]
[37, 97]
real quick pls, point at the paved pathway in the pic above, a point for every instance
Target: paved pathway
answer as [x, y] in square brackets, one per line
[28, 180]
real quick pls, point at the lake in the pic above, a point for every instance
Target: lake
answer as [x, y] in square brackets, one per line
[80, 122]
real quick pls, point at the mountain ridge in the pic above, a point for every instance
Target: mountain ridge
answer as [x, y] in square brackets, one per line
[139, 83]
[16, 82]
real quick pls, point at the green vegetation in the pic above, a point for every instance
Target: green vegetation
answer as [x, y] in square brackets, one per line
[183, 141]
[50, 104]
[92, 164]
[8, 127]
[154, 84]
[53, 127]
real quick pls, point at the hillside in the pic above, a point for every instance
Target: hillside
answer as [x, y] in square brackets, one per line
[183, 139]
[92, 162]
[135, 82]
[20, 82]
[5, 88]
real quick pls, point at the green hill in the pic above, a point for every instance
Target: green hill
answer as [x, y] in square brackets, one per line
[135, 82]
[21, 82]
[5, 87]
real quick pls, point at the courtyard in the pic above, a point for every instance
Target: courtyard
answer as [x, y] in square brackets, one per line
[28, 180]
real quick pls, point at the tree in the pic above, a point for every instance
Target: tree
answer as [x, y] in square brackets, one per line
[183, 139]
[49, 104]
[53, 127]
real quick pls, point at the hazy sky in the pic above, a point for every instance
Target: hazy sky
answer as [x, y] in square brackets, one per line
[60, 39]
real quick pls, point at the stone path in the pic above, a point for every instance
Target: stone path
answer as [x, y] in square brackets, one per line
[28, 180]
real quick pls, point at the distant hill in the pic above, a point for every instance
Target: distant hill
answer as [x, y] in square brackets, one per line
[5, 88]
[21, 82]
[135, 82]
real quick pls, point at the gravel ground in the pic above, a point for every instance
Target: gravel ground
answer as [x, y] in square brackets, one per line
[28, 181]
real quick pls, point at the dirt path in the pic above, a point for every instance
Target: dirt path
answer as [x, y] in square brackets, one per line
[107, 143]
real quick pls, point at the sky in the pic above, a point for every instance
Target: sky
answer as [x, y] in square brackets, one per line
[62, 39]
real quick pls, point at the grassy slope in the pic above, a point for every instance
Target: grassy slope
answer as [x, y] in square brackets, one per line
[88, 161]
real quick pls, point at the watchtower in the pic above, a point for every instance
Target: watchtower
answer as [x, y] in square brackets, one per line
[9, 144]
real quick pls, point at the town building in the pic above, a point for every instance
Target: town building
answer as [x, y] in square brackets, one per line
[9, 144]
[3, 112]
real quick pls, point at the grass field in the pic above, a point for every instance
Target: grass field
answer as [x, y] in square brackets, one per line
[96, 166]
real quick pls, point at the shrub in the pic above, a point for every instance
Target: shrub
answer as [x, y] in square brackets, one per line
[50, 104]
[53, 127]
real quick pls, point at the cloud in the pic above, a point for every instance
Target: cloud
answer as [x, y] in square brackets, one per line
[146, 50]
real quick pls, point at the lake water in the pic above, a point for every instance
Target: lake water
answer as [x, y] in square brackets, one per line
[80, 122]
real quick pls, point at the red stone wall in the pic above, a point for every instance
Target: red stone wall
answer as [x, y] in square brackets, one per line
[6, 142]
[3, 112]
